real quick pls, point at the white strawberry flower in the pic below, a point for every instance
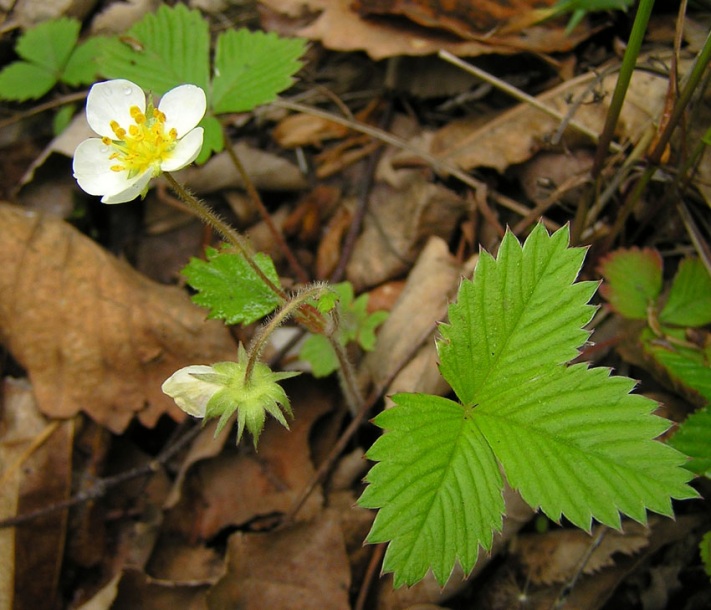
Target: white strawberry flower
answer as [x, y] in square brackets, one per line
[138, 141]
[189, 389]
[221, 390]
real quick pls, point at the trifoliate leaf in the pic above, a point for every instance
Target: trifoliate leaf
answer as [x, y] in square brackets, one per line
[694, 439]
[22, 81]
[82, 66]
[571, 439]
[46, 49]
[49, 44]
[633, 281]
[251, 68]
[689, 302]
[230, 288]
[163, 50]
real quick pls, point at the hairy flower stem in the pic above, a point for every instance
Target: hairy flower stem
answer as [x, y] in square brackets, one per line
[291, 306]
[296, 267]
[210, 218]
[288, 310]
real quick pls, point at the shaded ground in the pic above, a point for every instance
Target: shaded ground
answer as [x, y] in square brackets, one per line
[94, 316]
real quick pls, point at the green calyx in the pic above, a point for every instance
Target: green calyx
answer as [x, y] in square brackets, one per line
[250, 398]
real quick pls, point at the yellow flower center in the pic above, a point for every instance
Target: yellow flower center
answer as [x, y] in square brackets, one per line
[145, 145]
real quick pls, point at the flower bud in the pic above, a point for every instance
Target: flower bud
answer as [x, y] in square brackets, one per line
[221, 390]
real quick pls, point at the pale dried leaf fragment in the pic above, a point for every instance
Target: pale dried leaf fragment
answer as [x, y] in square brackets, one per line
[340, 28]
[304, 566]
[554, 556]
[94, 334]
[516, 135]
[35, 472]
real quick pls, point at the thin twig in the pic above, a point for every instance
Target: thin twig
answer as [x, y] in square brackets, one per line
[256, 200]
[40, 108]
[101, 486]
[362, 205]
[440, 166]
[519, 95]
[567, 588]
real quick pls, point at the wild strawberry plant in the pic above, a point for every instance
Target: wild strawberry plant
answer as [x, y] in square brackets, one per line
[573, 440]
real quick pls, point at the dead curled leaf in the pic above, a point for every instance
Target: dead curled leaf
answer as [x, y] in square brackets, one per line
[94, 334]
[338, 27]
[516, 135]
[304, 566]
[554, 556]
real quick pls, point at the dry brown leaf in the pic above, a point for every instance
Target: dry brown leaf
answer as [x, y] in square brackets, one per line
[299, 568]
[29, 13]
[260, 483]
[554, 556]
[430, 286]
[517, 134]
[137, 590]
[94, 334]
[35, 472]
[340, 28]
[461, 17]
[399, 223]
[266, 171]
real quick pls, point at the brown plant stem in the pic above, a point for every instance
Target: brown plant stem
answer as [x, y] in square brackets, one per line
[256, 200]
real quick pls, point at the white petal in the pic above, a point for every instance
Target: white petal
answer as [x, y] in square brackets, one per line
[183, 107]
[112, 101]
[185, 151]
[92, 169]
[189, 393]
[137, 185]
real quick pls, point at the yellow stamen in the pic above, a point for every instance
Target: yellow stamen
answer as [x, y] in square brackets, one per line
[144, 145]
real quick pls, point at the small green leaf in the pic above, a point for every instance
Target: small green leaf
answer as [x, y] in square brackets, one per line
[319, 353]
[694, 439]
[230, 288]
[213, 138]
[62, 118]
[22, 81]
[633, 281]
[689, 302]
[705, 550]
[49, 44]
[163, 50]
[572, 440]
[82, 66]
[251, 68]
[685, 366]
[354, 324]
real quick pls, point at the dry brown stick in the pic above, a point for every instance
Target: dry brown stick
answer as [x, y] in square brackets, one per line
[376, 558]
[256, 200]
[441, 166]
[101, 486]
[362, 205]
